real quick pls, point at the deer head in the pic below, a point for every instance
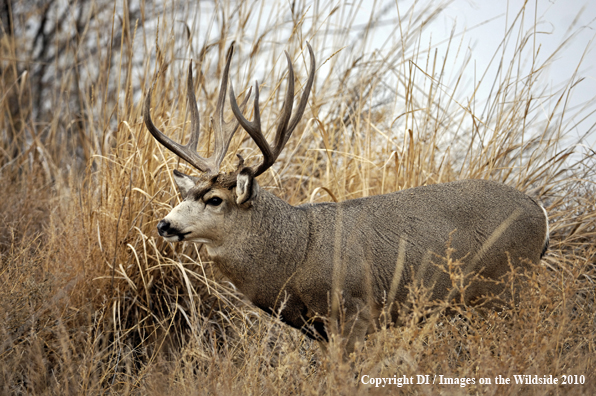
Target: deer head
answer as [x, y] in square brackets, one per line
[214, 201]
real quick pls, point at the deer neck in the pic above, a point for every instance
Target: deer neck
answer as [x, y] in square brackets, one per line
[267, 245]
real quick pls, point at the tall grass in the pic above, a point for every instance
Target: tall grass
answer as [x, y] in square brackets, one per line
[93, 301]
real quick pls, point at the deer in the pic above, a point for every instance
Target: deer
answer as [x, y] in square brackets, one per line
[318, 264]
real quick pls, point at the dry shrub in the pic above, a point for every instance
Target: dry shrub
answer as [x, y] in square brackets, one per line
[92, 301]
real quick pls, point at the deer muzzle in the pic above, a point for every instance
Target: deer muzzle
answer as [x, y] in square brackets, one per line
[172, 234]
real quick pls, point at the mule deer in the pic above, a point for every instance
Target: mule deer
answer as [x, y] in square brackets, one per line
[360, 255]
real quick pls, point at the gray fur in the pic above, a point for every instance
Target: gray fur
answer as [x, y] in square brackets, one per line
[368, 249]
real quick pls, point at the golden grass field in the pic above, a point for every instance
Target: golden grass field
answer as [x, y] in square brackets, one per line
[93, 301]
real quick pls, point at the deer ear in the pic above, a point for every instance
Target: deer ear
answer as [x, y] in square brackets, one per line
[184, 182]
[244, 186]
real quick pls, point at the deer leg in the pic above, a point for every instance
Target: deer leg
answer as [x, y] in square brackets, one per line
[355, 328]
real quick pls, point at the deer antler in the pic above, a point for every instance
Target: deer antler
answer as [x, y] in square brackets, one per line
[286, 125]
[223, 130]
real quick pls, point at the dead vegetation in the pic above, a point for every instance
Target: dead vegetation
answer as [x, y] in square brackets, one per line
[93, 301]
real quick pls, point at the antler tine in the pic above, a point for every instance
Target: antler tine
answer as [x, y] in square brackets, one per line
[286, 125]
[224, 131]
[286, 113]
[253, 128]
[195, 120]
[304, 99]
[188, 152]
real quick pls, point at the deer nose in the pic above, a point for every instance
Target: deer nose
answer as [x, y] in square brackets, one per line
[163, 227]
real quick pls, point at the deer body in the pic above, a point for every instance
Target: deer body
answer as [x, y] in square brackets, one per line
[276, 253]
[307, 263]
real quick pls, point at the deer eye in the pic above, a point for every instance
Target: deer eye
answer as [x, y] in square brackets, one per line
[214, 201]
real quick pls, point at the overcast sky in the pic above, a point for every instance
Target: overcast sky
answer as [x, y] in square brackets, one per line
[480, 26]
[485, 23]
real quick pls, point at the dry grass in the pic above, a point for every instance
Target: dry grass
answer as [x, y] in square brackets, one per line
[93, 301]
